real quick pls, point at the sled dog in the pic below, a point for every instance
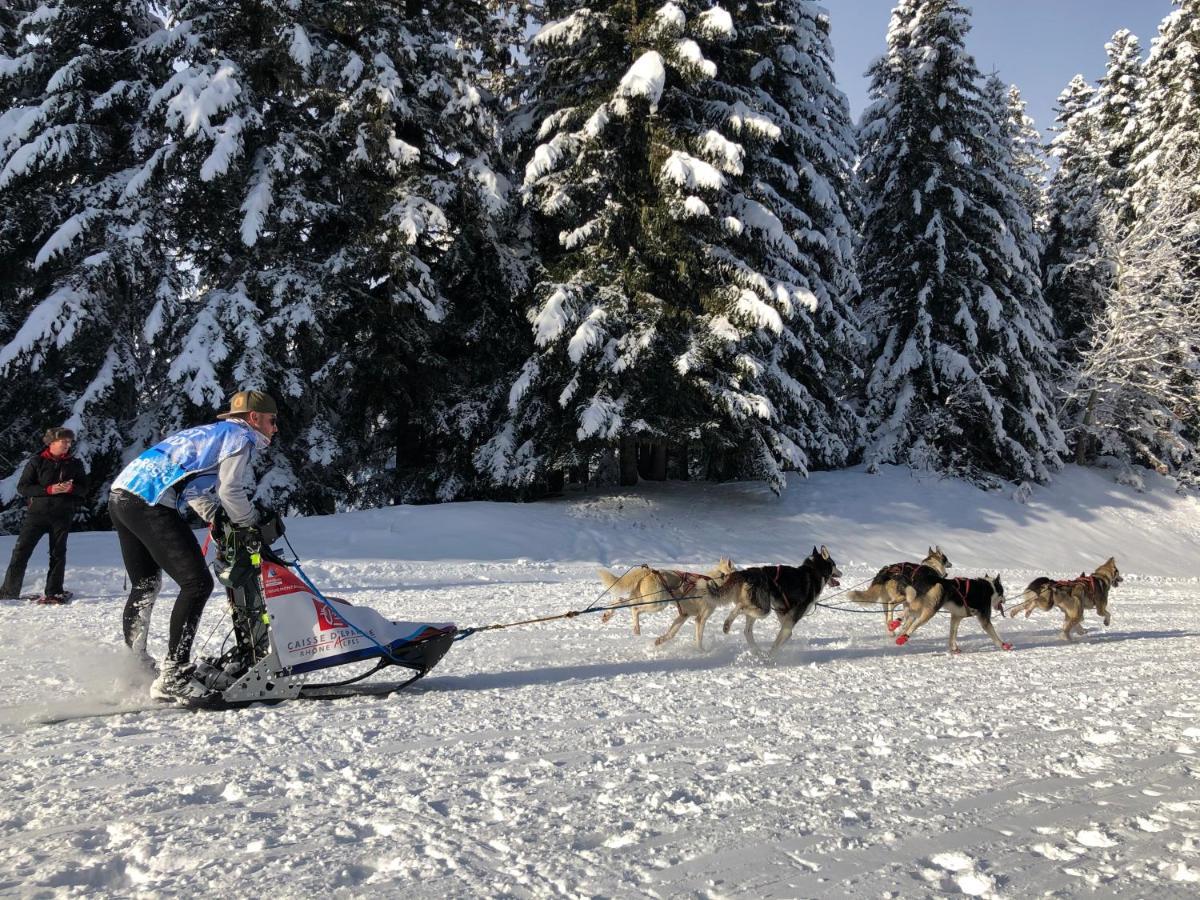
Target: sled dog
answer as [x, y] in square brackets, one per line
[888, 585]
[961, 597]
[655, 589]
[790, 591]
[1073, 596]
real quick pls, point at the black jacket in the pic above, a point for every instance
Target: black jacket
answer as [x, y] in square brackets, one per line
[43, 470]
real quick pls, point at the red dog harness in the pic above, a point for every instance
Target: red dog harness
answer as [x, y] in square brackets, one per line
[690, 580]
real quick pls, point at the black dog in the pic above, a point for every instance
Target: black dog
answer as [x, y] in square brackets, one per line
[790, 591]
[961, 597]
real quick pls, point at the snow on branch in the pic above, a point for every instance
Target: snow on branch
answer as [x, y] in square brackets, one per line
[65, 235]
[645, 78]
[689, 172]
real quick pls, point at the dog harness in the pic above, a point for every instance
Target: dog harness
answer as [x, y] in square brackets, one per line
[689, 581]
[787, 607]
[1084, 578]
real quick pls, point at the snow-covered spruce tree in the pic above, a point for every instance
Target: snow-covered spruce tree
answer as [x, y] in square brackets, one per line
[484, 273]
[1032, 166]
[956, 382]
[785, 229]
[1170, 131]
[81, 254]
[680, 279]
[321, 149]
[1118, 121]
[1138, 390]
[1076, 266]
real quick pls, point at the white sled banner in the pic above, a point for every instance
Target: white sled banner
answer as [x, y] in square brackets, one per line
[313, 633]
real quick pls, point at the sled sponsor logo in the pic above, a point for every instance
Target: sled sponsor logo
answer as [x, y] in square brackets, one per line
[278, 582]
[327, 617]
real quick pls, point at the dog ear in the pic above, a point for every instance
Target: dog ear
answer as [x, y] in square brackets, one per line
[824, 552]
[815, 553]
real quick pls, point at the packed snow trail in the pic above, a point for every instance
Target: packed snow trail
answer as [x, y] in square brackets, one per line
[572, 758]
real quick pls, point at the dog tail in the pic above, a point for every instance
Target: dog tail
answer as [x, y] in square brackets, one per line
[622, 583]
[1034, 589]
[871, 595]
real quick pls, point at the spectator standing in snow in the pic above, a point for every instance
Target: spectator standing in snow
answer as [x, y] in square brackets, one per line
[209, 469]
[54, 482]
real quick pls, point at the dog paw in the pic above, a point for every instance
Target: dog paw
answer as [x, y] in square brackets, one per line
[902, 640]
[893, 625]
[1006, 645]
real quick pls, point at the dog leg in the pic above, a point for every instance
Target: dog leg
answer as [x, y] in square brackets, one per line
[637, 620]
[608, 615]
[912, 624]
[785, 632]
[729, 620]
[955, 621]
[1102, 610]
[986, 625]
[892, 600]
[673, 630]
[1070, 625]
[749, 632]
[701, 623]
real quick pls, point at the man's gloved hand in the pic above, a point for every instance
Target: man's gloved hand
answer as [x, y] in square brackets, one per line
[270, 524]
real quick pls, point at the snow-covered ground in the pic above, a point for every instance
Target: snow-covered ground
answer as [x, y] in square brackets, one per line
[573, 758]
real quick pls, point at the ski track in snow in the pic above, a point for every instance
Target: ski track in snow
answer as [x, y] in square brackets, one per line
[575, 759]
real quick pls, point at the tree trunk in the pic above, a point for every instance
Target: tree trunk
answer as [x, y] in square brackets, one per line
[677, 462]
[1089, 417]
[628, 454]
[658, 462]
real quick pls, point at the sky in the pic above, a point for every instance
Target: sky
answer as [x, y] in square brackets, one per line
[1038, 45]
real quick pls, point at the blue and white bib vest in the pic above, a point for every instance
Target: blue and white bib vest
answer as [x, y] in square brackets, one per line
[193, 451]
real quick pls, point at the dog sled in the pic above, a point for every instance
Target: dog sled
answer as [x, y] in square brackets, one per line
[291, 642]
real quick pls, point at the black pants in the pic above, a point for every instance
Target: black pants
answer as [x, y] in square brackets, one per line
[154, 539]
[37, 523]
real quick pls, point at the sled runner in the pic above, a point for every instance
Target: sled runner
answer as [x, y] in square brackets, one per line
[289, 637]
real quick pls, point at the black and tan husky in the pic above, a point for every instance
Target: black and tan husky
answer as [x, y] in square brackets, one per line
[1073, 596]
[890, 582]
[961, 597]
[789, 591]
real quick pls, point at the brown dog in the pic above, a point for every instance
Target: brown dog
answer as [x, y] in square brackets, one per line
[890, 583]
[1073, 596]
[647, 590]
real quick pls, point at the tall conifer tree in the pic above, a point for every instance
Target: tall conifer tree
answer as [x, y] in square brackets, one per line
[691, 227]
[946, 286]
[1076, 266]
[82, 249]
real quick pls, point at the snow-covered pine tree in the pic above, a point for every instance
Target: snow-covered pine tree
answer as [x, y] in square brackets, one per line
[80, 247]
[1031, 164]
[1171, 110]
[1139, 387]
[484, 273]
[1035, 371]
[1118, 119]
[687, 267]
[785, 225]
[1076, 266]
[320, 152]
[592, 133]
[956, 381]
